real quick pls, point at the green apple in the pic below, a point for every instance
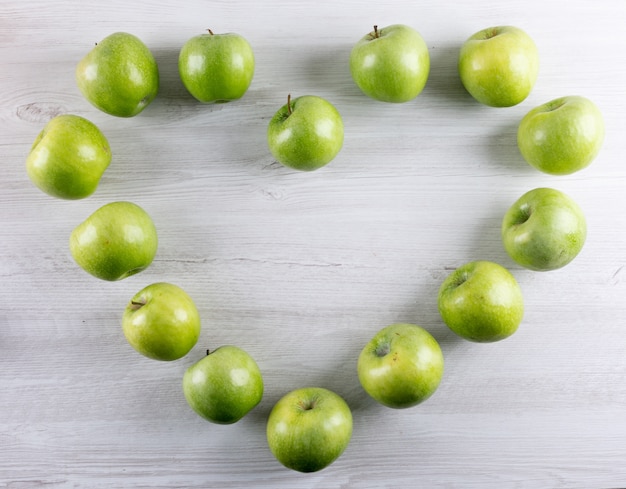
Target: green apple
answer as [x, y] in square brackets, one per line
[68, 157]
[116, 241]
[544, 229]
[562, 136]
[309, 428]
[161, 322]
[223, 386]
[499, 65]
[216, 67]
[401, 366]
[306, 133]
[119, 75]
[481, 301]
[391, 64]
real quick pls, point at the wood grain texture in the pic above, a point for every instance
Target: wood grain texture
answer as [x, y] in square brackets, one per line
[302, 269]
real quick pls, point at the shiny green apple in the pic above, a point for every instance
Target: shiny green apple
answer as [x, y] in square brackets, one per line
[499, 65]
[401, 366]
[481, 301]
[223, 386]
[216, 67]
[118, 240]
[68, 157]
[161, 322]
[306, 133]
[309, 428]
[545, 229]
[562, 136]
[391, 64]
[119, 75]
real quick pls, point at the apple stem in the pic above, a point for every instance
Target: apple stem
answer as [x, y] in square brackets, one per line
[289, 104]
[208, 352]
[134, 305]
[307, 405]
[376, 34]
[210, 31]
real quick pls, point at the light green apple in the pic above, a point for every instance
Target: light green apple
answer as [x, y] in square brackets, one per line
[401, 366]
[481, 301]
[68, 157]
[545, 229]
[306, 133]
[161, 322]
[216, 67]
[309, 428]
[223, 386]
[391, 64]
[119, 75]
[499, 65]
[118, 240]
[562, 136]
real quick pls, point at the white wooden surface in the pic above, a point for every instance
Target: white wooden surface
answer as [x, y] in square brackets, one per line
[301, 269]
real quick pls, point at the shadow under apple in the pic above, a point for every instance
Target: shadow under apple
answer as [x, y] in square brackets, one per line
[501, 146]
[443, 79]
[172, 93]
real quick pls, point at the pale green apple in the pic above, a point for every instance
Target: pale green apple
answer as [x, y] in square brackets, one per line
[116, 241]
[391, 64]
[309, 428]
[68, 157]
[545, 229]
[499, 65]
[481, 301]
[216, 67]
[562, 136]
[119, 75]
[223, 386]
[161, 322]
[306, 133]
[401, 366]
